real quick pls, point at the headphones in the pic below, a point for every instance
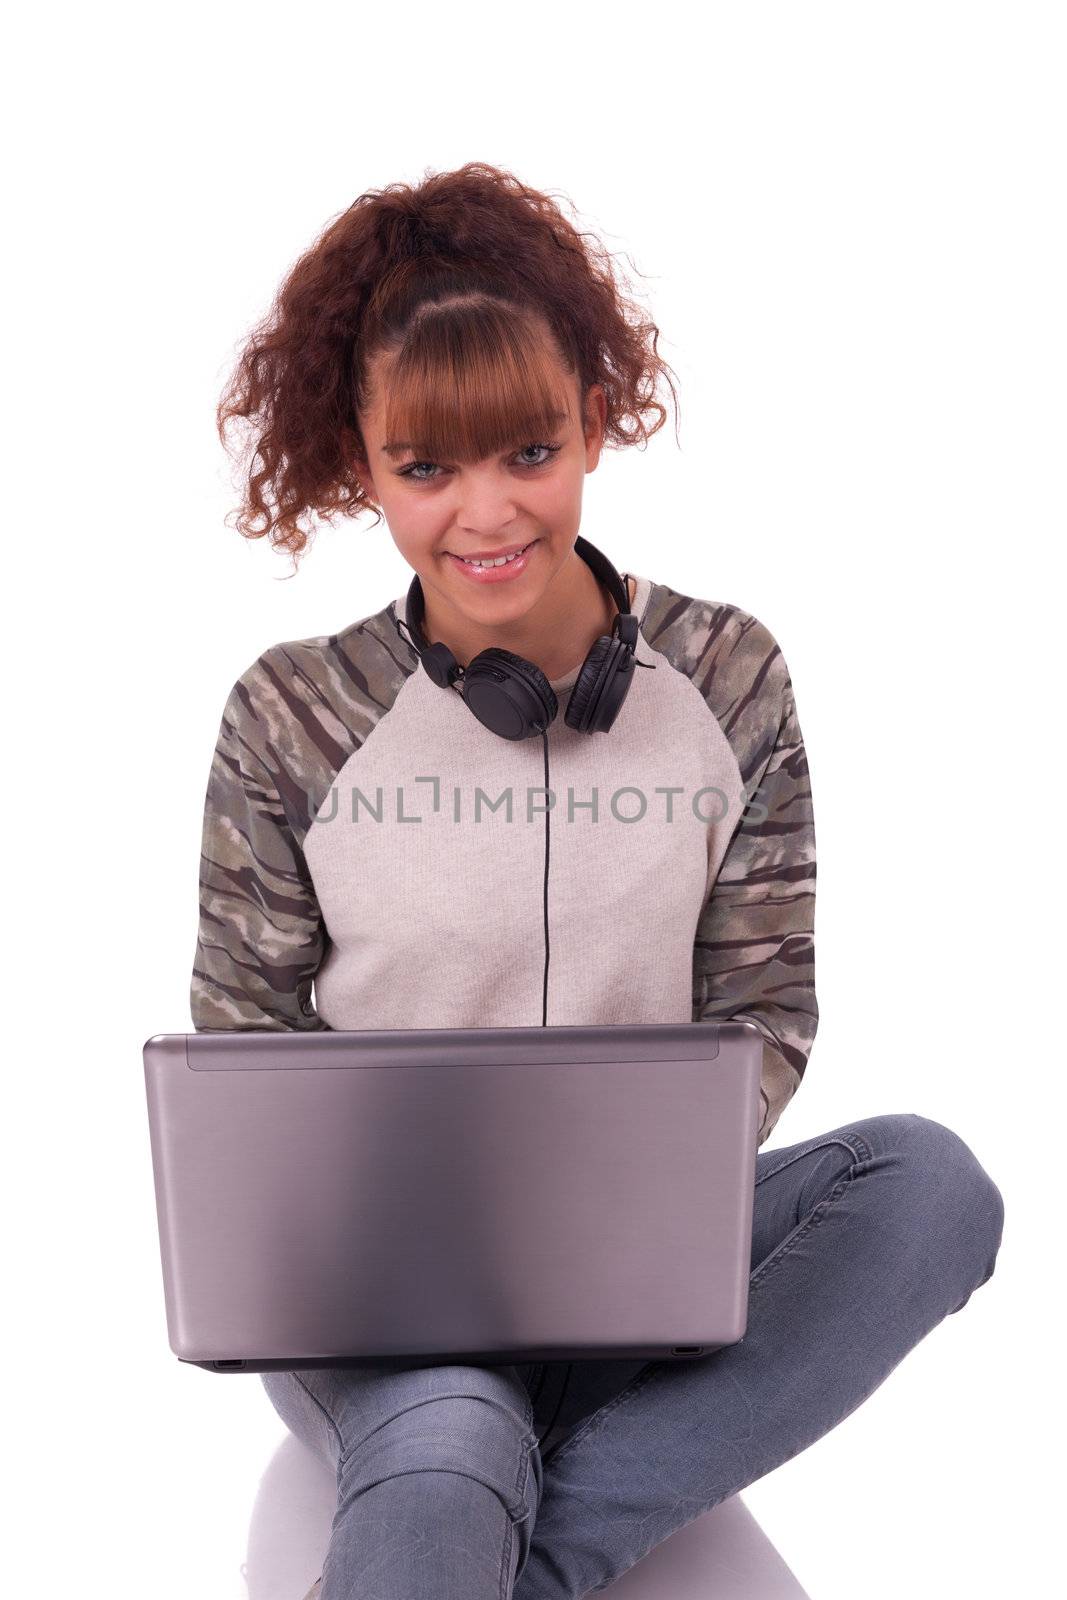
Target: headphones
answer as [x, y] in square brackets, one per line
[511, 696]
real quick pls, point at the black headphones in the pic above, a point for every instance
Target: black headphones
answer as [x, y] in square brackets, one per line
[511, 696]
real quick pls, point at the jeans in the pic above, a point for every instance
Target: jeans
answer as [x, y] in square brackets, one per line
[864, 1239]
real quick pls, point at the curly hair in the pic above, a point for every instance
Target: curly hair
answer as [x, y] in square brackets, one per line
[456, 281]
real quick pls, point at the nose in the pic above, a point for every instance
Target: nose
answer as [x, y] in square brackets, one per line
[484, 503]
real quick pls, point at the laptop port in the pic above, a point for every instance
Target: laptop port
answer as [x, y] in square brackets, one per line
[687, 1349]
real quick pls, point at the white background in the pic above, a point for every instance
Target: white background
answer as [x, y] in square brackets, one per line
[847, 221]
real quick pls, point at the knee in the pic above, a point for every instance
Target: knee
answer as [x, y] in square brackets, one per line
[950, 1167]
[470, 1421]
[955, 1202]
[303, 1414]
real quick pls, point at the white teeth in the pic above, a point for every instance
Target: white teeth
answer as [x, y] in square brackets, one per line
[499, 562]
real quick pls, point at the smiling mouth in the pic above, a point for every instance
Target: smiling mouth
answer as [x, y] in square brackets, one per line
[490, 562]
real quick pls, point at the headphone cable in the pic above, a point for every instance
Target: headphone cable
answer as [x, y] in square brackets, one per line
[544, 996]
[544, 1024]
[559, 1403]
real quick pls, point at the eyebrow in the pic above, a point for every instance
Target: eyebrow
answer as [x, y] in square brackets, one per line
[398, 447]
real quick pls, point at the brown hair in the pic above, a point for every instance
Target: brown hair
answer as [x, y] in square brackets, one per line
[456, 279]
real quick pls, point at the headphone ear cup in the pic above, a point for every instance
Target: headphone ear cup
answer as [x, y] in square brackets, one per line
[601, 686]
[508, 694]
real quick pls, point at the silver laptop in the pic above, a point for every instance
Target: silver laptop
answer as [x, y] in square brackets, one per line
[499, 1194]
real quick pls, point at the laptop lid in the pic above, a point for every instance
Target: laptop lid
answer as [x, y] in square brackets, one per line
[501, 1194]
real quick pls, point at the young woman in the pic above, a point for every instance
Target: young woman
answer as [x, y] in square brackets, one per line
[455, 355]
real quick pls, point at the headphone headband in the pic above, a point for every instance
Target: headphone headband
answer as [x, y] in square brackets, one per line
[595, 559]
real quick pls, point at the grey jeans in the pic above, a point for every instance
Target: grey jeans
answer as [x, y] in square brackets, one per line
[864, 1239]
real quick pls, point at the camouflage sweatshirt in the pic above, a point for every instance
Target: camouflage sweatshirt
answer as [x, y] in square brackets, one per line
[373, 857]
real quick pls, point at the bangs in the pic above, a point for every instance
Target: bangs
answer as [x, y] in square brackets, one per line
[471, 379]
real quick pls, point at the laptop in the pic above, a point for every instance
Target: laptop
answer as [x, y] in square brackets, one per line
[332, 1198]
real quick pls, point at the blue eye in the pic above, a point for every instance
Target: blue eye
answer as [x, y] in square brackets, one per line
[413, 473]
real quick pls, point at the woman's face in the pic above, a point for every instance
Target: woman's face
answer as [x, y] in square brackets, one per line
[443, 510]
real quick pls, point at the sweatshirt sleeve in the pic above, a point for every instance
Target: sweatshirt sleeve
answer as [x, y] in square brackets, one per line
[755, 941]
[261, 936]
